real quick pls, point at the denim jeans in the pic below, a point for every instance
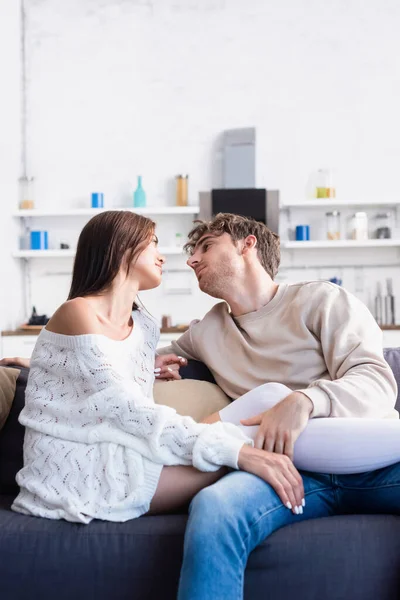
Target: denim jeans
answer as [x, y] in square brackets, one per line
[231, 517]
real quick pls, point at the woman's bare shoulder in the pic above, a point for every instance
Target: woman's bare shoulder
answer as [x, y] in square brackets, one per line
[74, 317]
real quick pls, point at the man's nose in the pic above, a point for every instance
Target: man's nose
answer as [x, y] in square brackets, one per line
[192, 261]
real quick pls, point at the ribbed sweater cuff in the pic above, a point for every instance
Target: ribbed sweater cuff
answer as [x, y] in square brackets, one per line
[228, 455]
[320, 400]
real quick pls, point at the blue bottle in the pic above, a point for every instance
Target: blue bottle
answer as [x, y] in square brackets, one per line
[139, 196]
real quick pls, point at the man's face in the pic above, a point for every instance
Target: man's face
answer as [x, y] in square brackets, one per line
[217, 264]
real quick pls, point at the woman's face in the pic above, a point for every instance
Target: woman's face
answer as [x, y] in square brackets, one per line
[148, 267]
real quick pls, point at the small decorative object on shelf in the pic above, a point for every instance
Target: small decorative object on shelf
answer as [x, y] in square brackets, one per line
[383, 229]
[359, 226]
[139, 196]
[324, 185]
[178, 240]
[333, 225]
[182, 190]
[166, 321]
[39, 240]
[36, 319]
[26, 193]
[302, 233]
[97, 200]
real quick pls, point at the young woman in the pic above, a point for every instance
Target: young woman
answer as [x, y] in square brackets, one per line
[96, 444]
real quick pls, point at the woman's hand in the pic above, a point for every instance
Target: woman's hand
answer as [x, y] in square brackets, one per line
[166, 367]
[17, 361]
[277, 470]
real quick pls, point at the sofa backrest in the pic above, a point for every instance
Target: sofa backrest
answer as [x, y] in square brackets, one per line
[12, 434]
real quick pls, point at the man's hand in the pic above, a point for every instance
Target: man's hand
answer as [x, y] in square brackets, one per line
[16, 361]
[281, 425]
[166, 367]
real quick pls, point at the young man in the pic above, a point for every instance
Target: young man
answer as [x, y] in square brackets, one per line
[314, 337]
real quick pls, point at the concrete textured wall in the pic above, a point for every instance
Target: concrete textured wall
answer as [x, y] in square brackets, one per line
[117, 88]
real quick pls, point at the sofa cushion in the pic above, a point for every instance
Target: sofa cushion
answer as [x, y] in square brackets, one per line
[8, 379]
[392, 356]
[346, 557]
[12, 438]
[197, 399]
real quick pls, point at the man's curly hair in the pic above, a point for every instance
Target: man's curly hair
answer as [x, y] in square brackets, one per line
[238, 227]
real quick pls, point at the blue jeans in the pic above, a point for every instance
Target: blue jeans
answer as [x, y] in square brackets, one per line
[231, 517]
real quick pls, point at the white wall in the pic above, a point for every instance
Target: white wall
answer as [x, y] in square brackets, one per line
[10, 155]
[118, 88]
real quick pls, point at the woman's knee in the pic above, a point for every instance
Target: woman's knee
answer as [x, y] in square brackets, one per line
[268, 395]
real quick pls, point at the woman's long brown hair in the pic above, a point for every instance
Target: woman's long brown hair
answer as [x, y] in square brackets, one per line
[101, 250]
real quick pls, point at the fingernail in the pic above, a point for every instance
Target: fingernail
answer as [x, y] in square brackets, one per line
[157, 374]
[157, 370]
[288, 505]
[296, 510]
[169, 369]
[181, 358]
[300, 510]
[303, 502]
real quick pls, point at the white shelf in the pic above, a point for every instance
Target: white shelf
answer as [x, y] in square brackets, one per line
[336, 203]
[91, 212]
[71, 253]
[333, 245]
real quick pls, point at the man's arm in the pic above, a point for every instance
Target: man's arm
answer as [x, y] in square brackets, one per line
[183, 346]
[362, 383]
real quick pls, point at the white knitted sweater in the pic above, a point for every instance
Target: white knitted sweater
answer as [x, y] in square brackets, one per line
[95, 442]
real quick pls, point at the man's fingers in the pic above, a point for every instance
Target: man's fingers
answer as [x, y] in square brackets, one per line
[279, 446]
[269, 442]
[259, 441]
[289, 448]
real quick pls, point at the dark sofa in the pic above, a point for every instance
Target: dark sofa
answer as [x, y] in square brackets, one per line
[350, 557]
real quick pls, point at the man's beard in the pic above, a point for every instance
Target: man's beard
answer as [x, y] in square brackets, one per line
[216, 283]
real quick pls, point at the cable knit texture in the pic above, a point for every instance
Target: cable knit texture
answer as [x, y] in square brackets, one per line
[95, 441]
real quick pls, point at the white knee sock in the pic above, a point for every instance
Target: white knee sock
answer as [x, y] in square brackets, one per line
[328, 445]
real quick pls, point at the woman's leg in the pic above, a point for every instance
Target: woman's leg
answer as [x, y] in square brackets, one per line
[178, 485]
[330, 445]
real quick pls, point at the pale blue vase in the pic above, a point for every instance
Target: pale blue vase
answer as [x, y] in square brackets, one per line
[139, 196]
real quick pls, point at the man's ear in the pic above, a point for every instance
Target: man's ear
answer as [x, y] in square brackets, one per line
[249, 243]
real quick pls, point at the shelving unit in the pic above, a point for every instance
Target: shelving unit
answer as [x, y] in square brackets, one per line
[91, 212]
[334, 244]
[30, 219]
[29, 254]
[338, 203]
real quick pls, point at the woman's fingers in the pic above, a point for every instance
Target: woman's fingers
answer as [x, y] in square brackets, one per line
[169, 373]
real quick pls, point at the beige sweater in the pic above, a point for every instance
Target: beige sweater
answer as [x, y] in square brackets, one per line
[314, 337]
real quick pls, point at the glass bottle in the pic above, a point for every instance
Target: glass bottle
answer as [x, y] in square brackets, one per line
[182, 190]
[139, 196]
[383, 226]
[26, 193]
[359, 226]
[324, 184]
[333, 225]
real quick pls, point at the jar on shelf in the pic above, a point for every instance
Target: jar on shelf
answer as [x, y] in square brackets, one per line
[182, 190]
[324, 184]
[383, 226]
[333, 225]
[26, 199]
[359, 226]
